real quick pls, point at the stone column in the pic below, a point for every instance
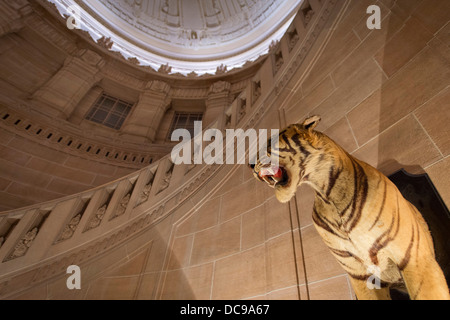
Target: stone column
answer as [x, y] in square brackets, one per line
[62, 93]
[216, 104]
[146, 116]
[11, 15]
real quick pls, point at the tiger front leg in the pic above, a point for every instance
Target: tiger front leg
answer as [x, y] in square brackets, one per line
[425, 280]
[363, 292]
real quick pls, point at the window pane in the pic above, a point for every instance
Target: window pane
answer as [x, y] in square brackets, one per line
[109, 111]
[100, 115]
[108, 103]
[120, 108]
[184, 121]
[112, 120]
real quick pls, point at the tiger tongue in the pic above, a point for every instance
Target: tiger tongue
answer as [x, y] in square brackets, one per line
[272, 171]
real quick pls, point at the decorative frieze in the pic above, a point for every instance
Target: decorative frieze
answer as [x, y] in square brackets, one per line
[158, 86]
[114, 72]
[189, 93]
[220, 86]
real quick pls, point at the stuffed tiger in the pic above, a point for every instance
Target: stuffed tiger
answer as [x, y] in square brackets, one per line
[359, 213]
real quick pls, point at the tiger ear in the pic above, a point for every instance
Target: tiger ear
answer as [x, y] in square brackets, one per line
[311, 122]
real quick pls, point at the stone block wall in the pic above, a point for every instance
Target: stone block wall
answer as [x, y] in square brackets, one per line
[383, 94]
[32, 173]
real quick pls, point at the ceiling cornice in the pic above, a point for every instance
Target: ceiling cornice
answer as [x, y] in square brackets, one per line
[162, 34]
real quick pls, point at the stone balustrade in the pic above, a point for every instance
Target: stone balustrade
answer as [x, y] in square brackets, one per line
[88, 223]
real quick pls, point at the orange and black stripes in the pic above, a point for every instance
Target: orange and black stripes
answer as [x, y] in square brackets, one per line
[404, 262]
[359, 213]
[386, 237]
[382, 205]
[361, 189]
[327, 225]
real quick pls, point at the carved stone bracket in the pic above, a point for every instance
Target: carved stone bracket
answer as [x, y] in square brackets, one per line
[220, 86]
[158, 86]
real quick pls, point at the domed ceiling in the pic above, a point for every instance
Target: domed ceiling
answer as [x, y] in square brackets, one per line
[185, 36]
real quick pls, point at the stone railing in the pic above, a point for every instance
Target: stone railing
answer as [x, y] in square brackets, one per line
[46, 236]
[41, 241]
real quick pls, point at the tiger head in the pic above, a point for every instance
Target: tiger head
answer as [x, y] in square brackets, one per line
[293, 149]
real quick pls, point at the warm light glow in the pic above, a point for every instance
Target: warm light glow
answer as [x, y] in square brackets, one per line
[190, 46]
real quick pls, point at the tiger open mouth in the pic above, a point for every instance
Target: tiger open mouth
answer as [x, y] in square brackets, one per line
[275, 176]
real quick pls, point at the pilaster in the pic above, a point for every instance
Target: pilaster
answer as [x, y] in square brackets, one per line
[11, 14]
[85, 104]
[216, 104]
[62, 93]
[146, 116]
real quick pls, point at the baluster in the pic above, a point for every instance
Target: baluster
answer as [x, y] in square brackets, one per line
[7, 225]
[98, 211]
[76, 215]
[165, 181]
[124, 192]
[32, 227]
[148, 177]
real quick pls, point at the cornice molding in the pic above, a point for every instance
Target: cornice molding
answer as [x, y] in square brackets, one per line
[140, 54]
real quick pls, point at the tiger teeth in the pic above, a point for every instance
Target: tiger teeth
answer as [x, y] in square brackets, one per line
[276, 179]
[270, 181]
[267, 179]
